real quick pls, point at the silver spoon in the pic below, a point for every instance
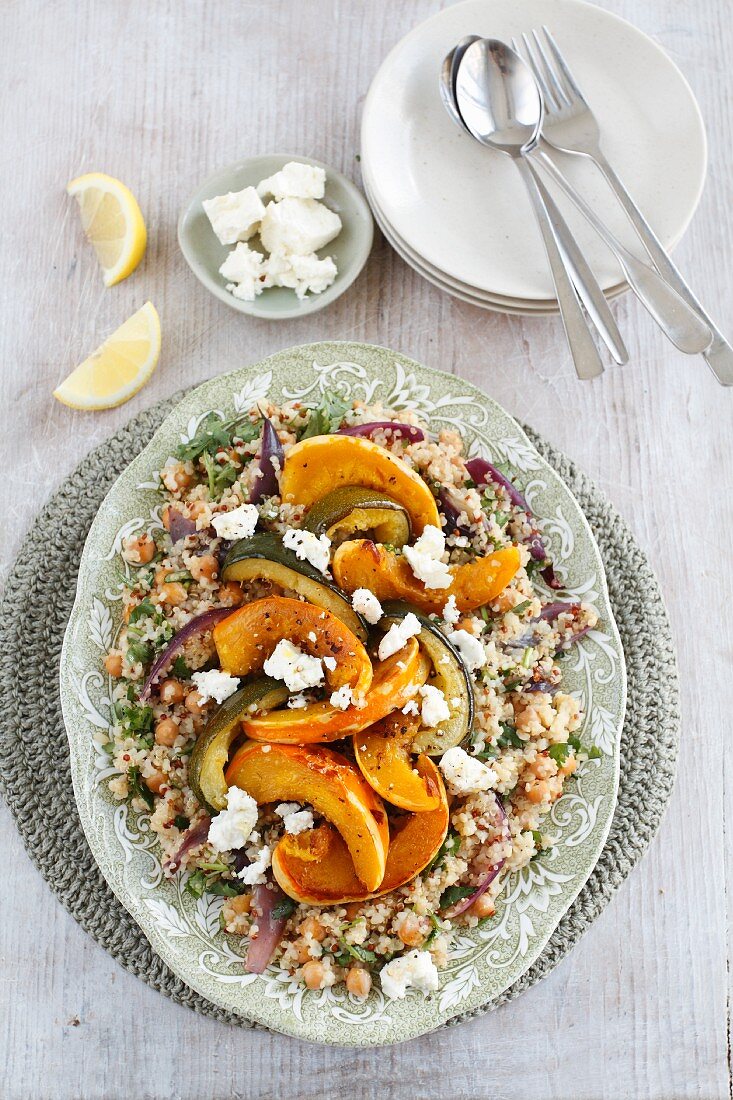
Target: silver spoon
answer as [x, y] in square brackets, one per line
[499, 101]
[583, 279]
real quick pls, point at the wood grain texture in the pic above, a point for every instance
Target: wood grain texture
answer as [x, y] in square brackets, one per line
[161, 94]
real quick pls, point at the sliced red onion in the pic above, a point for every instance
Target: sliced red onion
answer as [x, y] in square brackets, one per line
[265, 484]
[550, 577]
[482, 470]
[466, 903]
[540, 685]
[180, 526]
[409, 431]
[452, 508]
[269, 929]
[199, 625]
[553, 610]
[194, 835]
[536, 546]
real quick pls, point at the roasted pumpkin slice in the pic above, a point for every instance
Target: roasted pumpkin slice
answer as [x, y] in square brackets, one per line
[383, 754]
[449, 673]
[263, 557]
[211, 751]
[353, 510]
[316, 466]
[247, 637]
[316, 867]
[395, 681]
[330, 783]
[363, 564]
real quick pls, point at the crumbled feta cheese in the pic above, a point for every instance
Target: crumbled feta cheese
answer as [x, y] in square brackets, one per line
[240, 523]
[297, 702]
[451, 614]
[434, 708]
[411, 707]
[425, 558]
[215, 684]
[398, 635]
[415, 970]
[470, 649]
[245, 271]
[342, 698]
[309, 547]
[235, 216]
[256, 873]
[303, 274]
[298, 822]
[284, 808]
[329, 663]
[294, 181]
[465, 774]
[298, 226]
[312, 636]
[299, 670]
[233, 827]
[365, 603]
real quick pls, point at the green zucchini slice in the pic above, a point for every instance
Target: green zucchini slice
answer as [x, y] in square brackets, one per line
[352, 511]
[449, 674]
[211, 751]
[263, 556]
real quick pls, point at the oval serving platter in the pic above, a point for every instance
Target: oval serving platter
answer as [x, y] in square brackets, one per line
[186, 932]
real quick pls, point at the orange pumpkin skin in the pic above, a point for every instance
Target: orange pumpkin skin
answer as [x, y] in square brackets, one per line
[330, 783]
[395, 681]
[315, 867]
[315, 467]
[383, 753]
[245, 639]
[365, 564]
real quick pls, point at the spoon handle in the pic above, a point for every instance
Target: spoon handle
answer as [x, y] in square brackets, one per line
[678, 321]
[585, 353]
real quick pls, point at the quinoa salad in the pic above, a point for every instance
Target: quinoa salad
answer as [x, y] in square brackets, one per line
[338, 688]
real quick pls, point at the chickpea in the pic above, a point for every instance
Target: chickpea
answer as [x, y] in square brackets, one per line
[155, 782]
[358, 981]
[173, 594]
[410, 931]
[166, 731]
[195, 508]
[231, 594]
[205, 567]
[139, 550]
[483, 907]
[352, 910]
[171, 691]
[304, 952]
[538, 792]
[175, 477]
[313, 928]
[242, 903]
[113, 664]
[570, 765]
[314, 973]
[194, 702]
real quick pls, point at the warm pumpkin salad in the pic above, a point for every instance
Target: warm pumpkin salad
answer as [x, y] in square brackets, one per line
[337, 688]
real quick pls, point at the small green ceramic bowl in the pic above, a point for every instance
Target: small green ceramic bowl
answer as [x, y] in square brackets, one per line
[205, 255]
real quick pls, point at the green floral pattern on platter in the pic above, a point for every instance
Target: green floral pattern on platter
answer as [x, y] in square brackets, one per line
[184, 931]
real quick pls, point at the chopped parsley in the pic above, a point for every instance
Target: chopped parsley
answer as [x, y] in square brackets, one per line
[180, 669]
[215, 434]
[139, 651]
[327, 416]
[220, 475]
[454, 894]
[519, 608]
[200, 883]
[449, 846]
[509, 738]
[137, 789]
[283, 909]
[356, 951]
[181, 822]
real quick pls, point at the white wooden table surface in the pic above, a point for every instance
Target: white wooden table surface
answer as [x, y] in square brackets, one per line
[161, 94]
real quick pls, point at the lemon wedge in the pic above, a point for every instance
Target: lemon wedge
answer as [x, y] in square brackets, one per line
[112, 221]
[118, 368]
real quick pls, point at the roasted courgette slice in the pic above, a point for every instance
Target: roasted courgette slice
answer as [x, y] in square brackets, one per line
[352, 510]
[449, 674]
[263, 556]
[211, 752]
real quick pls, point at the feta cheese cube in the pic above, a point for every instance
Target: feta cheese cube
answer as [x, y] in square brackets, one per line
[451, 614]
[299, 670]
[342, 698]
[247, 272]
[240, 523]
[309, 547]
[299, 226]
[298, 822]
[415, 970]
[365, 603]
[294, 181]
[434, 708]
[256, 873]
[235, 216]
[215, 684]
[425, 558]
[465, 774]
[470, 649]
[411, 707]
[231, 828]
[302, 274]
[297, 702]
[398, 635]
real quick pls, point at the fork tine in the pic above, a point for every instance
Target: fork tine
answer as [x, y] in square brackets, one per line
[543, 73]
[570, 88]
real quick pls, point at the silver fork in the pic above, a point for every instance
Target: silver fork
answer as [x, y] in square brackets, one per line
[570, 126]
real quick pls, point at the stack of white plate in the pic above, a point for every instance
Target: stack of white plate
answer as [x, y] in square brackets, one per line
[458, 213]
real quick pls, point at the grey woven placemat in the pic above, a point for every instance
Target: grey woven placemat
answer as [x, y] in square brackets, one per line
[34, 757]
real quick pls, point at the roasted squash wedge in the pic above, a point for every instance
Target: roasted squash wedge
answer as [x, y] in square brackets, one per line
[395, 681]
[330, 783]
[211, 751]
[353, 510]
[247, 637]
[316, 466]
[383, 754]
[263, 557]
[316, 867]
[363, 564]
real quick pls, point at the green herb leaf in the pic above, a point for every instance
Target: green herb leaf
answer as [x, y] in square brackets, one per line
[219, 475]
[196, 884]
[137, 789]
[559, 753]
[449, 846]
[142, 611]
[181, 821]
[327, 416]
[139, 651]
[223, 889]
[356, 951]
[454, 894]
[509, 738]
[520, 607]
[180, 669]
[594, 753]
[284, 909]
[214, 434]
